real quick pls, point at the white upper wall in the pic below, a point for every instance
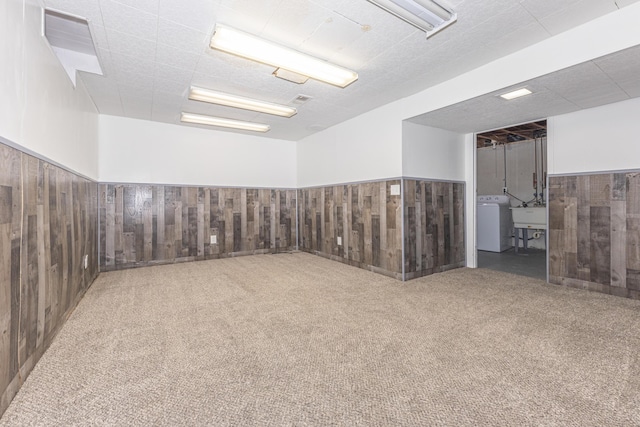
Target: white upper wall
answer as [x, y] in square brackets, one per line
[40, 110]
[598, 139]
[432, 153]
[141, 151]
[365, 148]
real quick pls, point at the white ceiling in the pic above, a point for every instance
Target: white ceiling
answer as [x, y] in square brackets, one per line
[611, 78]
[151, 51]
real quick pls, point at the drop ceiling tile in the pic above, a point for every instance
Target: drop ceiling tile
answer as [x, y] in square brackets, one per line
[136, 109]
[136, 49]
[542, 8]
[527, 35]
[132, 65]
[332, 36]
[168, 72]
[99, 85]
[248, 15]
[165, 115]
[225, 67]
[631, 88]
[150, 6]
[199, 15]
[99, 36]
[602, 98]
[296, 22]
[128, 20]
[135, 92]
[509, 20]
[576, 14]
[621, 66]
[130, 72]
[360, 51]
[171, 86]
[476, 12]
[181, 37]
[600, 88]
[572, 83]
[176, 57]
[168, 99]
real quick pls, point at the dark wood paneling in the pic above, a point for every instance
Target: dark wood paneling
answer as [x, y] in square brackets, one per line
[594, 232]
[144, 225]
[48, 222]
[363, 216]
[434, 227]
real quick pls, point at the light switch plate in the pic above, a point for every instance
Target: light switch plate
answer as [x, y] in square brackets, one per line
[214, 239]
[339, 241]
[395, 189]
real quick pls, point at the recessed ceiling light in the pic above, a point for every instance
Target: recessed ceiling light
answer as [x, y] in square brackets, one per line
[251, 47]
[516, 94]
[206, 95]
[226, 123]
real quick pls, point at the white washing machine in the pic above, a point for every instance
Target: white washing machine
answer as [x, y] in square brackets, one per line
[494, 223]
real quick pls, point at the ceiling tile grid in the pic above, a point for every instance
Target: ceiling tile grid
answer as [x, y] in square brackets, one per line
[151, 51]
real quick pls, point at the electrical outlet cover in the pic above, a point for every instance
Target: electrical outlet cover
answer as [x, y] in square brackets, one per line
[339, 241]
[214, 239]
[395, 189]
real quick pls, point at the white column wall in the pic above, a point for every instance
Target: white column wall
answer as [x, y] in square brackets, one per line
[432, 153]
[605, 138]
[40, 110]
[141, 151]
[365, 148]
[470, 206]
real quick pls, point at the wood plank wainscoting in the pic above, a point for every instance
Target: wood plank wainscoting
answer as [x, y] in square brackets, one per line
[594, 232]
[143, 225]
[48, 223]
[434, 227]
[368, 218]
[365, 217]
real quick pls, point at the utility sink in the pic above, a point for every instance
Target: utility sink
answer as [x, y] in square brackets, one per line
[530, 217]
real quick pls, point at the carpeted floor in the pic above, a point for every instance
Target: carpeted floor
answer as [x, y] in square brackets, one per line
[294, 339]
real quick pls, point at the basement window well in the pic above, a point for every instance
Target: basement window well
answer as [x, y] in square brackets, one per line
[70, 39]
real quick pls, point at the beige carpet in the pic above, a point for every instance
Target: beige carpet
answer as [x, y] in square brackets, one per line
[294, 339]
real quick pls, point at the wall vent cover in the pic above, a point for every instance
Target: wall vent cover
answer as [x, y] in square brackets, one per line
[70, 39]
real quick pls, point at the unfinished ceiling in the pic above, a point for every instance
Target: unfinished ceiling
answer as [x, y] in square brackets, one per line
[152, 51]
[521, 132]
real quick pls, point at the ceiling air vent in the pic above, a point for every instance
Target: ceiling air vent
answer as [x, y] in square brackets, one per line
[301, 99]
[71, 41]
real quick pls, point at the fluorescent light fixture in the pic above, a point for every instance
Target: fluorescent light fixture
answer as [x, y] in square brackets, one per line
[212, 97]
[225, 123]
[516, 94]
[429, 16]
[251, 47]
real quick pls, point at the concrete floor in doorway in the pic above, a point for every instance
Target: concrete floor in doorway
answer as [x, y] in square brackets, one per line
[530, 262]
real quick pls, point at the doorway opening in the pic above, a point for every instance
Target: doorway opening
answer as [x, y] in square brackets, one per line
[511, 220]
